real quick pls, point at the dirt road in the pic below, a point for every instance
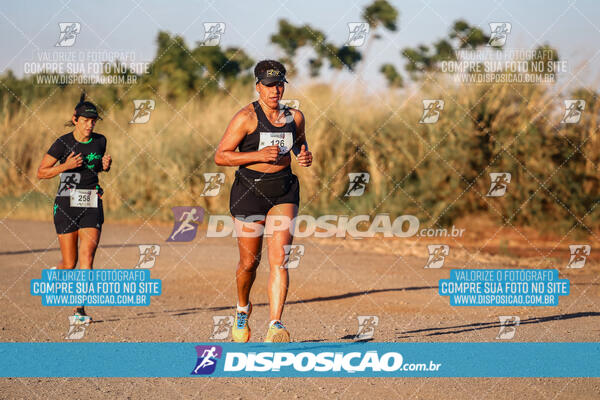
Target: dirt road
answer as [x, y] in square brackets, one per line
[336, 281]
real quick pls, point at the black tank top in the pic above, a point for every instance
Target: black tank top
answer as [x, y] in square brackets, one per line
[253, 140]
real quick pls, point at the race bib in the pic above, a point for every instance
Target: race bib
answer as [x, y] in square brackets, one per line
[284, 140]
[84, 198]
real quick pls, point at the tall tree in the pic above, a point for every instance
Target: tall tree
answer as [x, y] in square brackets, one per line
[393, 77]
[423, 59]
[172, 72]
[543, 57]
[468, 36]
[379, 13]
[178, 70]
[290, 39]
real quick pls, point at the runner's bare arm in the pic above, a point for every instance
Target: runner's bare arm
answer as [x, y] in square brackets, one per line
[47, 168]
[241, 124]
[300, 149]
[300, 136]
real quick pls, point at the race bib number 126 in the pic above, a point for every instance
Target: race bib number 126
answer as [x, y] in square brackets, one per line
[282, 139]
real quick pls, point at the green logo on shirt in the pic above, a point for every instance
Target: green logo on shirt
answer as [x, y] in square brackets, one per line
[92, 156]
[55, 207]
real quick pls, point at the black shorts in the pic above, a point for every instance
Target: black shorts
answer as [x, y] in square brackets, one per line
[245, 202]
[69, 219]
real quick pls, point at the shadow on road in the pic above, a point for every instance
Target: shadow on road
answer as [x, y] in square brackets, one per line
[448, 330]
[102, 246]
[196, 310]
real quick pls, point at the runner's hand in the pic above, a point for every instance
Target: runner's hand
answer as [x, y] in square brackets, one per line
[106, 162]
[269, 153]
[73, 161]
[304, 157]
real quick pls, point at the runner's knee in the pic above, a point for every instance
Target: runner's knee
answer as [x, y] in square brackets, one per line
[86, 255]
[277, 257]
[87, 252]
[249, 263]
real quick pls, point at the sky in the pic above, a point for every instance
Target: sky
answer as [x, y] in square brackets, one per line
[27, 27]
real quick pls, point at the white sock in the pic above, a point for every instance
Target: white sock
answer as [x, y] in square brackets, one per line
[272, 322]
[245, 309]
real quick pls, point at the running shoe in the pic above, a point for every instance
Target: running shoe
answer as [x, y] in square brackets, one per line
[277, 333]
[81, 316]
[241, 330]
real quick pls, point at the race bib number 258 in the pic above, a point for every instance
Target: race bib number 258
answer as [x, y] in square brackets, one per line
[84, 198]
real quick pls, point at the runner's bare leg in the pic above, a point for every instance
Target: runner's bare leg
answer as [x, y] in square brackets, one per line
[279, 277]
[89, 239]
[68, 250]
[88, 243]
[250, 254]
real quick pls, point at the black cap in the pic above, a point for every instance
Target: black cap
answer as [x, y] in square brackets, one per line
[86, 109]
[270, 77]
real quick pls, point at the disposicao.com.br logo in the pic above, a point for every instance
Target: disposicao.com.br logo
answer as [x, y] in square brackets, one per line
[301, 226]
[317, 363]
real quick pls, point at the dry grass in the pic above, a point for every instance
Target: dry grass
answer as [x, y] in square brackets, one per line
[439, 172]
